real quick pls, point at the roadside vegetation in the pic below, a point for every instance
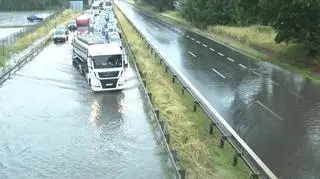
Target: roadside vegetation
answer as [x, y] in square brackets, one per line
[275, 31]
[198, 151]
[29, 38]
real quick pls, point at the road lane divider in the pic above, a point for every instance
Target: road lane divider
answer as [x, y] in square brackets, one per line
[243, 66]
[217, 125]
[221, 54]
[188, 36]
[212, 49]
[230, 59]
[198, 42]
[216, 71]
[192, 38]
[272, 112]
[204, 45]
[257, 73]
[194, 56]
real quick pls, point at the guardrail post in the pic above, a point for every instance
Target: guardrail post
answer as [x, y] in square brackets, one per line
[167, 69]
[211, 127]
[156, 110]
[160, 61]
[174, 155]
[235, 158]
[183, 88]
[255, 176]
[150, 95]
[223, 138]
[182, 173]
[167, 136]
[173, 78]
[195, 103]
[161, 125]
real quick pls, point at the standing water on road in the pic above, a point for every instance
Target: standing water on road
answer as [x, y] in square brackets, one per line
[53, 126]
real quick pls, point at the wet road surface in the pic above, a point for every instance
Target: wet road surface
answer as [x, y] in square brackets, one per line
[274, 111]
[19, 18]
[53, 126]
[4, 32]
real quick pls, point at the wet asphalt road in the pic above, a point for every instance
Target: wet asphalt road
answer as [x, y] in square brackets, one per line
[19, 18]
[53, 126]
[274, 111]
[4, 32]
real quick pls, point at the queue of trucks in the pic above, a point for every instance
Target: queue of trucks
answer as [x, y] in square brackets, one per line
[102, 62]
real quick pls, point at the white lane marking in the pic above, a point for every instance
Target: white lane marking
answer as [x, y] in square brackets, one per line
[212, 49]
[257, 73]
[296, 94]
[188, 36]
[218, 73]
[230, 59]
[192, 54]
[220, 54]
[183, 33]
[198, 42]
[192, 38]
[275, 114]
[204, 45]
[275, 83]
[242, 66]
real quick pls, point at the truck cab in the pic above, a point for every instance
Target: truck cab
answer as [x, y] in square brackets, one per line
[103, 65]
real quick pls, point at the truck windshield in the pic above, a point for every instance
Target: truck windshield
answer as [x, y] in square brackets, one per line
[112, 61]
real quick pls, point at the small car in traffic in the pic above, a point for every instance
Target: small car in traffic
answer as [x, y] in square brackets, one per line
[72, 25]
[60, 36]
[114, 37]
[32, 18]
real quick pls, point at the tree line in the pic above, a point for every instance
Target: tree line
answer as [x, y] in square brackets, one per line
[294, 20]
[19, 5]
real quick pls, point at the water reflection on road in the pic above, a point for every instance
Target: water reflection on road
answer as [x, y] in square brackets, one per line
[53, 126]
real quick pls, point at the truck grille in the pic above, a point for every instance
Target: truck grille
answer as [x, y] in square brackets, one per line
[108, 74]
[110, 83]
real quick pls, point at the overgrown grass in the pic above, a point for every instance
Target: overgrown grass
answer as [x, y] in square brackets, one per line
[199, 151]
[256, 41]
[28, 39]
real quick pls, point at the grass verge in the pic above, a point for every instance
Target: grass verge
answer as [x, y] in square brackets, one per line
[29, 38]
[199, 151]
[255, 41]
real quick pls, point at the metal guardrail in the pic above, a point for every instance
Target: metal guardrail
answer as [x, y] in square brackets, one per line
[7, 72]
[242, 150]
[180, 172]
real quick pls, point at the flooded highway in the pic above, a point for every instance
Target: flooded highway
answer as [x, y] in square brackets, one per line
[53, 126]
[274, 111]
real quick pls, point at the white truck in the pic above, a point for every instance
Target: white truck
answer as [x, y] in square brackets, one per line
[102, 65]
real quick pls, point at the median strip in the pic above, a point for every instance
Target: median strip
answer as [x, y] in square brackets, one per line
[198, 150]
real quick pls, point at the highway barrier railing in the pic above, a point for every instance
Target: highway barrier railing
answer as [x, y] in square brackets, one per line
[165, 135]
[242, 150]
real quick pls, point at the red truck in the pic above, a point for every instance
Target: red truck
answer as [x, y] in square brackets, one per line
[83, 23]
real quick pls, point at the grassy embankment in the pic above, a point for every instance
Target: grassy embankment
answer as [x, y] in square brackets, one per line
[199, 151]
[29, 38]
[256, 41]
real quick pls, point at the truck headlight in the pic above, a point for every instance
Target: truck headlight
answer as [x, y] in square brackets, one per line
[95, 82]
